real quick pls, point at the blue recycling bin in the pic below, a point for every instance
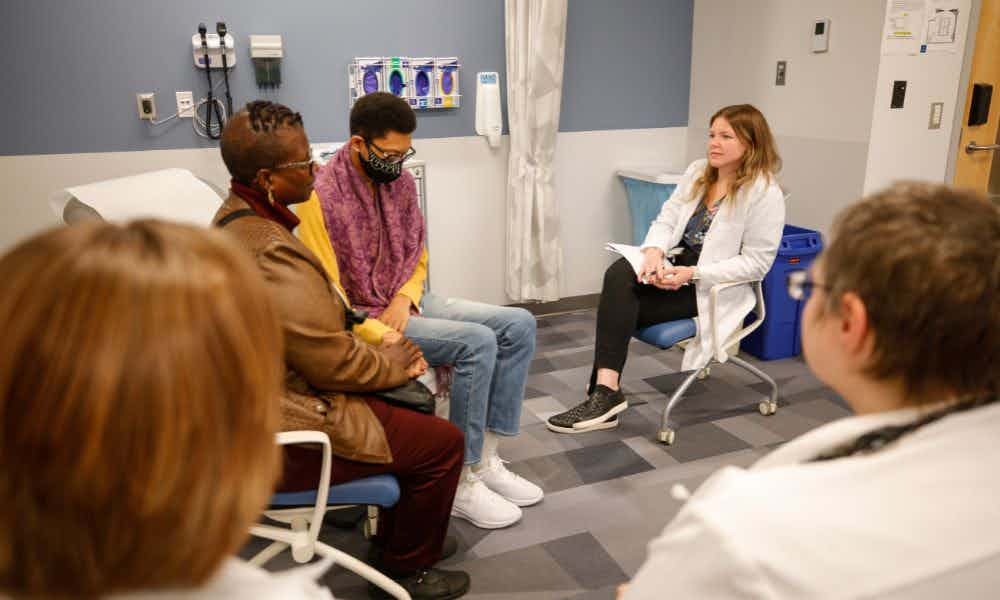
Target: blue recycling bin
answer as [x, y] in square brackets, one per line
[647, 190]
[779, 336]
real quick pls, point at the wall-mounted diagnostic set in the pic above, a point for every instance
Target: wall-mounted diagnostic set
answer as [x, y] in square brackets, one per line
[425, 83]
[211, 52]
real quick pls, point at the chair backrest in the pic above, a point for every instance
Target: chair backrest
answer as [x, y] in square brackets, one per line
[171, 195]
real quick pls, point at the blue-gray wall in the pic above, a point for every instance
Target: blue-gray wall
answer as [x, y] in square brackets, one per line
[628, 64]
[73, 67]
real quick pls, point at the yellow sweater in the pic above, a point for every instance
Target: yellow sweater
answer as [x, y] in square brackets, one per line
[312, 232]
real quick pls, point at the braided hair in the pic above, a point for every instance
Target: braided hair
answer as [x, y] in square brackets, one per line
[266, 116]
[250, 141]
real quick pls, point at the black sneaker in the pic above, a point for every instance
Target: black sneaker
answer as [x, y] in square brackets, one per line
[609, 424]
[428, 584]
[602, 404]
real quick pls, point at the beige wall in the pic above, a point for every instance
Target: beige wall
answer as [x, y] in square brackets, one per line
[902, 146]
[821, 117]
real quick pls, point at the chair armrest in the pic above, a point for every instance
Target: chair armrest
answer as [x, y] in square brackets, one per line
[285, 438]
[739, 334]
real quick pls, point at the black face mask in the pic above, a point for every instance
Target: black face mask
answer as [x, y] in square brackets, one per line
[380, 170]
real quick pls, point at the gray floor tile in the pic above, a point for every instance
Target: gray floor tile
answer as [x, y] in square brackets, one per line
[702, 440]
[820, 409]
[583, 358]
[607, 461]
[541, 365]
[786, 423]
[669, 382]
[528, 570]
[553, 472]
[584, 559]
[749, 431]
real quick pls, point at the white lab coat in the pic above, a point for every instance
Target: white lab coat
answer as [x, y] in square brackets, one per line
[918, 519]
[237, 579]
[740, 245]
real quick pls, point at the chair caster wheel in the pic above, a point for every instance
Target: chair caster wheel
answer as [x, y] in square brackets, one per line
[767, 408]
[665, 436]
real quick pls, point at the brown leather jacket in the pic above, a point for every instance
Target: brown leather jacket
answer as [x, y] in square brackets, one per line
[327, 366]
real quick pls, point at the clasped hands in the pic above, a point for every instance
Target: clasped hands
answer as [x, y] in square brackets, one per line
[657, 272]
[397, 347]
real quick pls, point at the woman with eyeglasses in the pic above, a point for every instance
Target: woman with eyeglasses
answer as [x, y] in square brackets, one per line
[331, 375]
[722, 224]
[365, 223]
[902, 319]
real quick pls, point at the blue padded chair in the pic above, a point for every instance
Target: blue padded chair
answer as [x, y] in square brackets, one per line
[679, 333]
[304, 512]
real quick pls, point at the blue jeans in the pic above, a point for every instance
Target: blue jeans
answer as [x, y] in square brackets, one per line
[490, 348]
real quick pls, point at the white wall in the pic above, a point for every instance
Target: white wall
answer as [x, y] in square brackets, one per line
[902, 147]
[821, 118]
[465, 191]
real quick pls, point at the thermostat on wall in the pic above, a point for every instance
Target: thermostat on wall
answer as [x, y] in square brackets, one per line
[821, 35]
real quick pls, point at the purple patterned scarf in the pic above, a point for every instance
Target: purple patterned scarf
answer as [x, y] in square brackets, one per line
[378, 243]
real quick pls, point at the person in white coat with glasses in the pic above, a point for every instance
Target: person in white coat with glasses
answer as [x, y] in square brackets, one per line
[722, 224]
[902, 319]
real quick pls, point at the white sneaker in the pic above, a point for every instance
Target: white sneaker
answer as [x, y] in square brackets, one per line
[481, 506]
[511, 486]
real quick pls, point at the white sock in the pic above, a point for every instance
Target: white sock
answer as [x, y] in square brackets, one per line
[491, 442]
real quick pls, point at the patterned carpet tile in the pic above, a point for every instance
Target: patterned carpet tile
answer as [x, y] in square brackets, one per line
[607, 492]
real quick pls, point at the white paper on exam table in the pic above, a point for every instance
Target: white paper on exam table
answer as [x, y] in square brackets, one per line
[171, 194]
[633, 254]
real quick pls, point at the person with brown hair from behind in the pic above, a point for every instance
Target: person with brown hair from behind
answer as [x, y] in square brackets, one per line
[139, 367]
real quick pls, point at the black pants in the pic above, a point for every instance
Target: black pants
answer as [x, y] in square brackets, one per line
[627, 305]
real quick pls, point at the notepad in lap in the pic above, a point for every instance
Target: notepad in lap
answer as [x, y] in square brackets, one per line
[633, 254]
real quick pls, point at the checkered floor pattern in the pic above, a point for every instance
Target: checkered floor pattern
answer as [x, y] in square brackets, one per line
[607, 492]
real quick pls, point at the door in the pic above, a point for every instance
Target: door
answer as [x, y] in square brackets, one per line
[978, 163]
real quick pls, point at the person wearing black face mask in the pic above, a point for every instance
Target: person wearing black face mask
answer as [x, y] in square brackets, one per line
[383, 166]
[365, 224]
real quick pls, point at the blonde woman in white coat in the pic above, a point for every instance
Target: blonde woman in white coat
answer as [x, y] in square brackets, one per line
[899, 501]
[726, 219]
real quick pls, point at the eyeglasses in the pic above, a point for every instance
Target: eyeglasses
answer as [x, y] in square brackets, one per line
[391, 157]
[800, 285]
[299, 165]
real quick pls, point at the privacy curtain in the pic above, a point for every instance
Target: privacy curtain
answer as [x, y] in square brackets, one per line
[536, 40]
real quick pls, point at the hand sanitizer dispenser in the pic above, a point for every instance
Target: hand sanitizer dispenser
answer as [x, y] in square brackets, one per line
[488, 120]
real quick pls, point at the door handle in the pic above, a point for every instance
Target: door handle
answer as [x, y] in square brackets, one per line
[972, 147]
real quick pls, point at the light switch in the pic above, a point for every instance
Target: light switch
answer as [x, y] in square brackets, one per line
[779, 77]
[935, 119]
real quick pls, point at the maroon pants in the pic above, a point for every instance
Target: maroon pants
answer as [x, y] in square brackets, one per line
[427, 461]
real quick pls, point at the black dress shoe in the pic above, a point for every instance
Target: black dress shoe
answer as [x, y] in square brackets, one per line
[428, 584]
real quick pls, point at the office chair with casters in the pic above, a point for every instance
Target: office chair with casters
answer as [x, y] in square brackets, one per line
[304, 511]
[680, 332]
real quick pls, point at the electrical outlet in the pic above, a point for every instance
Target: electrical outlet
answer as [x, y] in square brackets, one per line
[146, 103]
[185, 104]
